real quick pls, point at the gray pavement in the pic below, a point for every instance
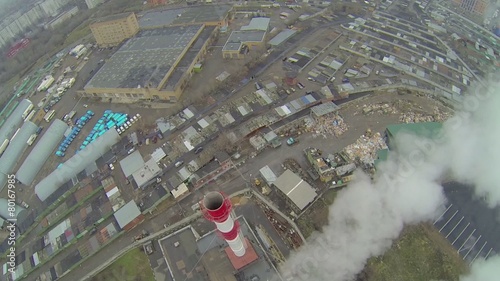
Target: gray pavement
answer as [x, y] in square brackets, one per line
[468, 224]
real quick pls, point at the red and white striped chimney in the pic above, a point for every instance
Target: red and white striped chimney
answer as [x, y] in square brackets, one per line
[217, 208]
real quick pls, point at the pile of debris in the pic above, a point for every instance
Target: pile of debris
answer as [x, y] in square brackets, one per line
[412, 117]
[379, 108]
[437, 116]
[364, 150]
[331, 125]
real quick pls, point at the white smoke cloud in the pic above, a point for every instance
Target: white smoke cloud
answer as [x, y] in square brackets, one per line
[484, 270]
[368, 215]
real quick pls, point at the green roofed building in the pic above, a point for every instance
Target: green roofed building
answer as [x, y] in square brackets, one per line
[424, 129]
[382, 156]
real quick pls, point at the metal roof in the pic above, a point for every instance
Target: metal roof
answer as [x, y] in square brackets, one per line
[127, 214]
[76, 164]
[324, 108]
[4, 210]
[131, 163]
[41, 152]
[146, 173]
[257, 24]
[15, 150]
[296, 189]
[424, 129]
[14, 120]
[145, 59]
[282, 37]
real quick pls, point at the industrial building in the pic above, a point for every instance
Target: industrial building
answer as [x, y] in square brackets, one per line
[6, 215]
[129, 216]
[14, 121]
[232, 253]
[76, 164]
[155, 65]
[91, 4]
[41, 152]
[14, 151]
[478, 7]
[64, 16]
[281, 37]
[295, 190]
[249, 37]
[112, 30]
[143, 173]
[424, 129]
[209, 15]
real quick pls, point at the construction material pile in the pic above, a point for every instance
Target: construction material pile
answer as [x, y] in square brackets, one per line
[413, 117]
[379, 108]
[330, 125]
[364, 150]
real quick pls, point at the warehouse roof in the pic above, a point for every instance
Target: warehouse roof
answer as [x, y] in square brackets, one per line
[239, 38]
[296, 189]
[143, 61]
[15, 150]
[324, 108]
[4, 210]
[282, 37]
[127, 214]
[424, 129]
[257, 24]
[149, 171]
[41, 152]
[131, 163]
[15, 119]
[76, 164]
[184, 15]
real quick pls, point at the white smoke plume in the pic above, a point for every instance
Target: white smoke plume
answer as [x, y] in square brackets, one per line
[484, 270]
[369, 214]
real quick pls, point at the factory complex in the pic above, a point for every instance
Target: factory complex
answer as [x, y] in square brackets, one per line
[157, 61]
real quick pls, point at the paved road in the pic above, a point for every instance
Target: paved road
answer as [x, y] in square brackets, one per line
[470, 226]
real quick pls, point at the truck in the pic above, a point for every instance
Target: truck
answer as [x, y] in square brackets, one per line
[80, 53]
[46, 83]
[27, 111]
[4, 146]
[32, 139]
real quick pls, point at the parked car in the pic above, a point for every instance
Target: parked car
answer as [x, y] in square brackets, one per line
[198, 150]
[39, 130]
[178, 164]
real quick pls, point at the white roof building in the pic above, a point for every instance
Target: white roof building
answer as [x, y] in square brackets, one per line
[296, 189]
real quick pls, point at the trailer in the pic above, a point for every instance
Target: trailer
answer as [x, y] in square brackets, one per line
[28, 118]
[46, 83]
[27, 111]
[4, 146]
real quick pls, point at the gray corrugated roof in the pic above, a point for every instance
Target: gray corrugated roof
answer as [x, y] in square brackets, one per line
[296, 189]
[4, 210]
[15, 149]
[76, 164]
[14, 120]
[127, 213]
[41, 152]
[257, 24]
[132, 163]
[282, 37]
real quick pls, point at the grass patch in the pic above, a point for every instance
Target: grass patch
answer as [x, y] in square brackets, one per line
[77, 33]
[132, 266]
[420, 254]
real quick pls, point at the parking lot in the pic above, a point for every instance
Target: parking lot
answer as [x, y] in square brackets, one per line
[468, 224]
